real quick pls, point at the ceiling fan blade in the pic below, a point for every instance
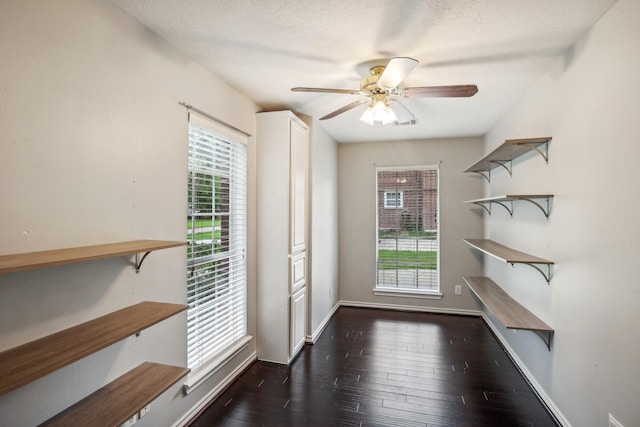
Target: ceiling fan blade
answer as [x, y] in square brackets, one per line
[395, 71]
[441, 91]
[405, 117]
[345, 108]
[317, 89]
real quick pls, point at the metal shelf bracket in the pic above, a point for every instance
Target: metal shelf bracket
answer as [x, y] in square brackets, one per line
[546, 211]
[486, 205]
[485, 174]
[545, 336]
[504, 163]
[139, 261]
[510, 210]
[546, 276]
[536, 148]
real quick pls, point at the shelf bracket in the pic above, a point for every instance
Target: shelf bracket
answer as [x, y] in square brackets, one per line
[546, 211]
[486, 207]
[485, 174]
[504, 163]
[139, 261]
[546, 276]
[506, 207]
[545, 336]
[536, 148]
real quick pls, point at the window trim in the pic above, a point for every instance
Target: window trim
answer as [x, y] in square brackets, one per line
[213, 364]
[408, 292]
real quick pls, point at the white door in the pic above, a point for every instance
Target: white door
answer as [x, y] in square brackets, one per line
[298, 320]
[298, 186]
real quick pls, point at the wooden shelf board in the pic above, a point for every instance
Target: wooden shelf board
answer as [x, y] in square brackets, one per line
[28, 362]
[509, 311]
[51, 258]
[506, 152]
[510, 197]
[504, 253]
[119, 400]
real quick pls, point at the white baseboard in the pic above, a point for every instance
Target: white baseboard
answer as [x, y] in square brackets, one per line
[528, 375]
[213, 394]
[400, 307]
[314, 336]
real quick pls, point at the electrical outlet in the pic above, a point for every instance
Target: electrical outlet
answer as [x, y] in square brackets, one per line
[131, 421]
[613, 422]
[144, 411]
[458, 290]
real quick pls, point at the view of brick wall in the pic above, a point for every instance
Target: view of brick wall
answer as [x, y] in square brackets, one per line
[412, 200]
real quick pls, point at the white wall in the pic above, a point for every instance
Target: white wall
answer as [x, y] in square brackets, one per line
[323, 247]
[588, 102]
[93, 149]
[357, 220]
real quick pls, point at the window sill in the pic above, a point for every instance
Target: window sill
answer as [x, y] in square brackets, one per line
[407, 293]
[203, 373]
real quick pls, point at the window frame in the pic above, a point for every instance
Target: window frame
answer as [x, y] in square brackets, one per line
[230, 247]
[434, 292]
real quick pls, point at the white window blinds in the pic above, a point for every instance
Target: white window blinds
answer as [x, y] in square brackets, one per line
[407, 229]
[216, 235]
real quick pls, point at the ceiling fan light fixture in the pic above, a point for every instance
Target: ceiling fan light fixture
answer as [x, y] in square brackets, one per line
[367, 116]
[389, 117]
[379, 112]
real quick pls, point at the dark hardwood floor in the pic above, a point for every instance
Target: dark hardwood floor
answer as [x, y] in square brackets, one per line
[385, 368]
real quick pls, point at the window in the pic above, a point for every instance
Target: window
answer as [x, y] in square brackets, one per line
[393, 199]
[216, 236]
[407, 230]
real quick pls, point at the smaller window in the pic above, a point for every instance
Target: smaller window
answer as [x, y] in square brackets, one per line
[393, 199]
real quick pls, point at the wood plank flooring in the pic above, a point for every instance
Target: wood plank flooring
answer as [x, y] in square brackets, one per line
[385, 368]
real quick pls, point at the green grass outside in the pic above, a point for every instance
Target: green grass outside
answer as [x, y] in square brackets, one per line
[205, 223]
[208, 235]
[201, 223]
[389, 259]
[391, 234]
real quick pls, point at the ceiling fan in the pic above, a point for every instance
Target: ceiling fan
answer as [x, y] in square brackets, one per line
[381, 90]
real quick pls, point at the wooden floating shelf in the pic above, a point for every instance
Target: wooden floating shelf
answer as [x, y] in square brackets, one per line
[51, 258]
[504, 253]
[505, 153]
[510, 198]
[511, 256]
[119, 400]
[507, 310]
[28, 362]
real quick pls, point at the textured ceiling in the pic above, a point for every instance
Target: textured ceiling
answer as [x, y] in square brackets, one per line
[265, 47]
